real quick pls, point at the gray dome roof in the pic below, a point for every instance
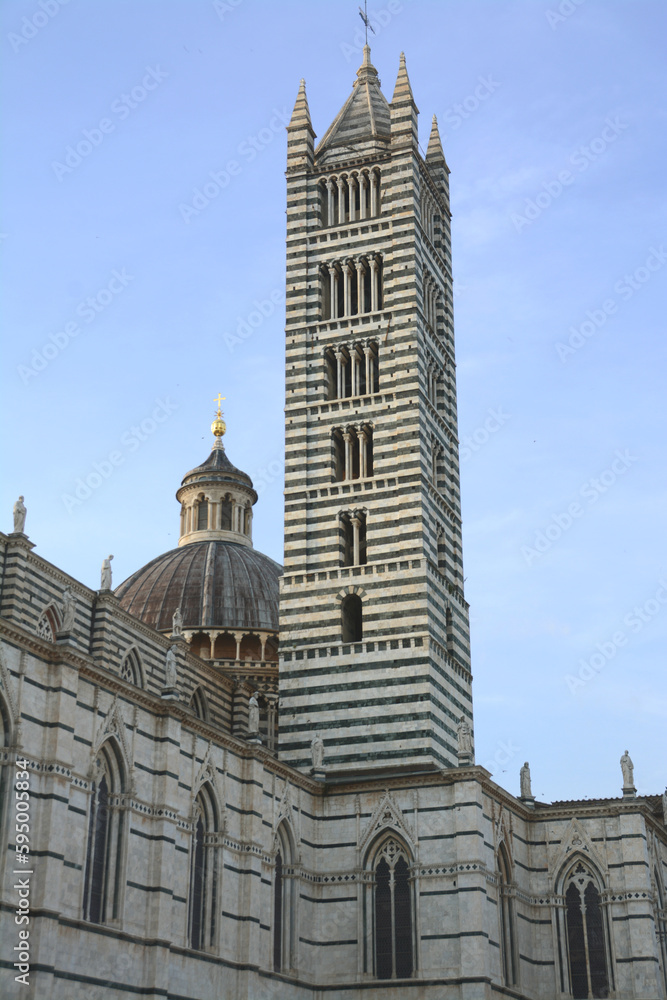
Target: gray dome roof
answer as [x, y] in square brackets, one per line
[217, 467]
[216, 584]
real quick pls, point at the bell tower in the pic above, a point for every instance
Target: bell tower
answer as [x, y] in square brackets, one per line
[373, 621]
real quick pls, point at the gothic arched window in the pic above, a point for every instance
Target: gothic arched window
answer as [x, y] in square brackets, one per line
[48, 624]
[203, 873]
[352, 618]
[585, 934]
[393, 947]
[130, 668]
[199, 705]
[103, 870]
[506, 916]
[284, 917]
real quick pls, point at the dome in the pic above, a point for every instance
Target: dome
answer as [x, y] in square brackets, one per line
[216, 584]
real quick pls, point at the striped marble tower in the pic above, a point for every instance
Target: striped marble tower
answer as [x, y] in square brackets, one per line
[374, 625]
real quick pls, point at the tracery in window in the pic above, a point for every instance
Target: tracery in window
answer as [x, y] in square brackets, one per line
[393, 913]
[130, 668]
[506, 917]
[103, 868]
[202, 902]
[585, 934]
[284, 901]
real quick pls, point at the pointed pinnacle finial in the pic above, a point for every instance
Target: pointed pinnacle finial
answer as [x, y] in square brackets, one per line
[402, 90]
[218, 426]
[434, 151]
[367, 55]
[301, 113]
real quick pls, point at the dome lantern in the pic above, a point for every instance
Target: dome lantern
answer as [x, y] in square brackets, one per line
[216, 498]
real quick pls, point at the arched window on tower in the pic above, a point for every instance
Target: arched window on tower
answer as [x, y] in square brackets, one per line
[449, 626]
[586, 944]
[226, 514]
[392, 912]
[202, 908]
[353, 538]
[284, 901]
[103, 869]
[441, 543]
[202, 515]
[506, 917]
[352, 629]
[338, 443]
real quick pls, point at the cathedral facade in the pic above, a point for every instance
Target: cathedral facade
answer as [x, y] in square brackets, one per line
[229, 779]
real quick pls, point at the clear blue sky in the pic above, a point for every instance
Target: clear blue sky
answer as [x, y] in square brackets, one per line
[553, 121]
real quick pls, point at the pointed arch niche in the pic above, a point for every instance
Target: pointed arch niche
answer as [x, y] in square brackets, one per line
[103, 874]
[506, 918]
[284, 902]
[204, 865]
[584, 932]
[389, 909]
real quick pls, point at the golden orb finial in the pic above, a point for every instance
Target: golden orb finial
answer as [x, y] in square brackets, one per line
[218, 426]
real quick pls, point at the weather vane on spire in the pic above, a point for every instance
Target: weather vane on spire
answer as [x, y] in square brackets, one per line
[363, 14]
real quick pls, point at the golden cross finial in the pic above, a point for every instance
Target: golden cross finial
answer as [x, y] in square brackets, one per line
[218, 399]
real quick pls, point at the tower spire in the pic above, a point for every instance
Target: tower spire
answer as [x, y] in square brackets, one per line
[300, 133]
[402, 90]
[434, 152]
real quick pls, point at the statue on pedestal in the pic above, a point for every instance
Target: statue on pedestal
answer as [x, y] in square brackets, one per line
[69, 608]
[253, 714]
[524, 779]
[105, 583]
[171, 668]
[177, 623]
[627, 767]
[464, 737]
[19, 512]
[317, 751]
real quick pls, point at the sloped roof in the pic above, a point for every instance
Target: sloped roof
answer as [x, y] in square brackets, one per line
[363, 124]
